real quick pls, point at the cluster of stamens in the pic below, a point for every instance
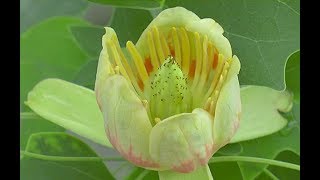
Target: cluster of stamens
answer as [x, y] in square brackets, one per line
[181, 70]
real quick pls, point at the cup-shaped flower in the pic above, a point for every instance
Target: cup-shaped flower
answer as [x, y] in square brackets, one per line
[173, 99]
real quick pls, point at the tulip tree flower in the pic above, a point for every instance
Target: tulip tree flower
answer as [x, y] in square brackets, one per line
[173, 99]
[167, 103]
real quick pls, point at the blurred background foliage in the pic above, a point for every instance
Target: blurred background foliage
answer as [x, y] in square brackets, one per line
[62, 39]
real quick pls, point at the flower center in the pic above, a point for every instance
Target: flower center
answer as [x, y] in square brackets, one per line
[170, 94]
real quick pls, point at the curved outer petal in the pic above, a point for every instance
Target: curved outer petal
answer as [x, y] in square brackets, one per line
[104, 69]
[183, 142]
[126, 120]
[181, 17]
[228, 109]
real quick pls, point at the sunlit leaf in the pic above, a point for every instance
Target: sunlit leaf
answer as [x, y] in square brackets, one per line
[61, 144]
[48, 50]
[70, 106]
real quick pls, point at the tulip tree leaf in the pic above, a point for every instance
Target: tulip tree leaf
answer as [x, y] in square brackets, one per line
[226, 170]
[230, 149]
[288, 139]
[129, 24]
[34, 11]
[135, 4]
[262, 34]
[281, 173]
[89, 38]
[61, 144]
[70, 106]
[31, 123]
[260, 119]
[87, 75]
[293, 75]
[48, 50]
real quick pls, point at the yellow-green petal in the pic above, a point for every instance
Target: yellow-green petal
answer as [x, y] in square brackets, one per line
[126, 120]
[104, 69]
[202, 173]
[183, 142]
[69, 105]
[181, 17]
[228, 109]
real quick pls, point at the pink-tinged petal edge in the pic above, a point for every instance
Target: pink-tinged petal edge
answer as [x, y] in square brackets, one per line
[190, 165]
[129, 155]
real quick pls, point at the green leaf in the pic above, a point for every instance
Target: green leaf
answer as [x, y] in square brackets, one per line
[281, 173]
[48, 50]
[262, 34]
[129, 24]
[260, 119]
[269, 148]
[286, 139]
[87, 75]
[230, 149]
[292, 75]
[61, 144]
[200, 173]
[31, 123]
[226, 170]
[70, 106]
[89, 39]
[135, 4]
[33, 11]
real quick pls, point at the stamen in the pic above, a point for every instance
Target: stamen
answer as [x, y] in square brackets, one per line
[145, 103]
[198, 60]
[207, 104]
[152, 49]
[116, 70]
[117, 60]
[137, 61]
[176, 45]
[185, 51]
[213, 102]
[210, 51]
[157, 120]
[156, 40]
[204, 71]
[216, 75]
[164, 45]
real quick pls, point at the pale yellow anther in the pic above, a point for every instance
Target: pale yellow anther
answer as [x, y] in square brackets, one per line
[220, 82]
[217, 73]
[156, 40]
[137, 61]
[176, 43]
[210, 55]
[153, 53]
[164, 45]
[185, 51]
[204, 72]
[145, 103]
[118, 60]
[207, 104]
[128, 69]
[198, 48]
[116, 70]
[157, 120]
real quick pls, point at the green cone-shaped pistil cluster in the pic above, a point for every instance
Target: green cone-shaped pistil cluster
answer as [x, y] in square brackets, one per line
[170, 94]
